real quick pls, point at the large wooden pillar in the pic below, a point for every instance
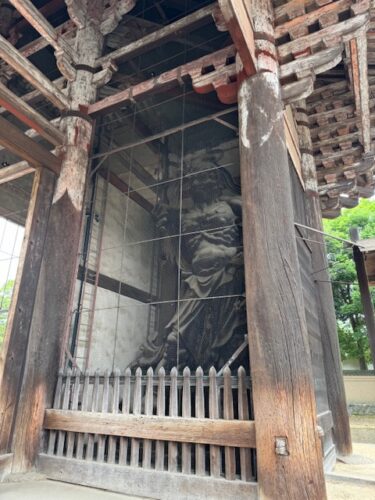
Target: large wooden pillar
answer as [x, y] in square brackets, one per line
[368, 308]
[289, 454]
[326, 307]
[58, 274]
[13, 355]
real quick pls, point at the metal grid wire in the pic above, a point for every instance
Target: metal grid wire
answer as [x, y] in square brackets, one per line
[151, 172]
[11, 237]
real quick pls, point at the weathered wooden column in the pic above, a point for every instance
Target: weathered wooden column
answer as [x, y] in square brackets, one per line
[368, 308]
[13, 354]
[60, 255]
[289, 454]
[326, 307]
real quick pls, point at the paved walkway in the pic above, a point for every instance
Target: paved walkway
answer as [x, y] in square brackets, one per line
[53, 490]
[361, 466]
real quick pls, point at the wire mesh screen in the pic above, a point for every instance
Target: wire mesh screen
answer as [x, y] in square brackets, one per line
[11, 237]
[162, 283]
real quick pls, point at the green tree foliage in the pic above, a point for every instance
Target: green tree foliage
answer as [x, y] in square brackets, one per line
[5, 298]
[350, 319]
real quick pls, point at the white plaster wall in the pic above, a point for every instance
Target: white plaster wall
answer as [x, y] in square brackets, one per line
[118, 332]
[126, 224]
[360, 389]
[120, 323]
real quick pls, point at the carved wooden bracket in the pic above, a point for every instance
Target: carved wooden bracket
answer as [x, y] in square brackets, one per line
[83, 11]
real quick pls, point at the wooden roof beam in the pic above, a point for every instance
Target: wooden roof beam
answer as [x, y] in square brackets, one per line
[29, 116]
[33, 133]
[344, 30]
[194, 20]
[15, 171]
[22, 146]
[193, 69]
[32, 74]
[42, 26]
[237, 15]
[358, 56]
[36, 95]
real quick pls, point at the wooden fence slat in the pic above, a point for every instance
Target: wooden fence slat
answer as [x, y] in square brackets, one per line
[173, 412]
[186, 412]
[230, 457]
[215, 456]
[217, 432]
[74, 406]
[160, 411]
[94, 408]
[147, 443]
[200, 461]
[57, 405]
[65, 406]
[112, 441]
[104, 409]
[123, 455]
[243, 414]
[137, 406]
[97, 421]
[84, 407]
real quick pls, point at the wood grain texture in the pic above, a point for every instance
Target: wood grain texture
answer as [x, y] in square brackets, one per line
[24, 112]
[366, 299]
[5, 465]
[199, 413]
[237, 16]
[189, 22]
[160, 410]
[15, 141]
[54, 295]
[283, 390]
[325, 305]
[145, 482]
[15, 346]
[238, 433]
[32, 74]
[15, 171]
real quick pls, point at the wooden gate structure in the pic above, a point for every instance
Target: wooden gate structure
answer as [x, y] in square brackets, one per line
[158, 431]
[300, 74]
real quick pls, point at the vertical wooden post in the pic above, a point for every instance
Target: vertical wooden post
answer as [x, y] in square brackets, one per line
[13, 355]
[57, 279]
[289, 454]
[368, 308]
[326, 307]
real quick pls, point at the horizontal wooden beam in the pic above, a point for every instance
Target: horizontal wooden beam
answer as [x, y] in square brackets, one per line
[172, 77]
[32, 74]
[29, 116]
[173, 30]
[311, 17]
[165, 133]
[19, 144]
[236, 433]
[36, 95]
[142, 482]
[42, 26]
[342, 30]
[15, 171]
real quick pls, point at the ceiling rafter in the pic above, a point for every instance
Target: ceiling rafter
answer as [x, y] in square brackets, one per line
[32, 74]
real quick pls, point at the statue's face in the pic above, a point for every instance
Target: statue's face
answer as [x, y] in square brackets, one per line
[204, 186]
